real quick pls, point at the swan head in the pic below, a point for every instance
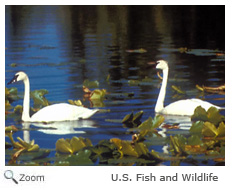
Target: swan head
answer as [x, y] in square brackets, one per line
[162, 64]
[18, 77]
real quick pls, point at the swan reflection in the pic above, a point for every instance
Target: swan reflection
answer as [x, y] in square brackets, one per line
[58, 128]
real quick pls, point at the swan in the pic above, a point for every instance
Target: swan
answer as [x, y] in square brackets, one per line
[180, 107]
[51, 113]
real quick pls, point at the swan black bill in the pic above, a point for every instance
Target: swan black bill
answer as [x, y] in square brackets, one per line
[13, 80]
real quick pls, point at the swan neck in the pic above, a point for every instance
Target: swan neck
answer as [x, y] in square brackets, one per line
[26, 100]
[160, 101]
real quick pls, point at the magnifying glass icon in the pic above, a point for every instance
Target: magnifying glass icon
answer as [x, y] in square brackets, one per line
[10, 175]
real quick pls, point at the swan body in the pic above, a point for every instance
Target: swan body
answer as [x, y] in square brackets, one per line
[181, 107]
[51, 113]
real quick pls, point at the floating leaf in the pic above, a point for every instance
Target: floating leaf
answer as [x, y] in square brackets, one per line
[157, 121]
[108, 78]
[199, 88]
[133, 82]
[221, 130]
[137, 117]
[75, 102]
[128, 150]
[13, 64]
[145, 81]
[183, 49]
[141, 50]
[214, 116]
[7, 105]
[217, 89]
[33, 148]
[146, 125]
[197, 127]
[11, 94]
[195, 149]
[128, 118]
[39, 99]
[195, 140]
[86, 90]
[82, 158]
[63, 146]
[141, 148]
[178, 90]
[199, 114]
[77, 144]
[209, 130]
[71, 146]
[98, 94]
[91, 84]
[177, 144]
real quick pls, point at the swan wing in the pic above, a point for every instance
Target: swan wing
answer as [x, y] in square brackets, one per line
[62, 112]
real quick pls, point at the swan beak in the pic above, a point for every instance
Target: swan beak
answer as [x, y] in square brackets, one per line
[13, 80]
[152, 63]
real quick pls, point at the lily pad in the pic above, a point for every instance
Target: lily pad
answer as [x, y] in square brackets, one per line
[98, 94]
[82, 158]
[195, 140]
[137, 117]
[199, 114]
[91, 84]
[128, 118]
[177, 144]
[75, 102]
[67, 146]
[178, 89]
[210, 130]
[197, 127]
[39, 99]
[146, 125]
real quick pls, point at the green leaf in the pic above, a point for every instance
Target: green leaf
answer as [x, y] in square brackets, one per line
[98, 94]
[141, 148]
[197, 127]
[133, 82]
[91, 84]
[146, 125]
[127, 149]
[33, 148]
[178, 89]
[177, 144]
[199, 114]
[137, 117]
[82, 158]
[128, 118]
[63, 146]
[214, 116]
[221, 130]
[209, 130]
[195, 140]
[39, 99]
[157, 121]
[77, 144]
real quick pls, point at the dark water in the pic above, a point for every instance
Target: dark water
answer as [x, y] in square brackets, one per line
[61, 46]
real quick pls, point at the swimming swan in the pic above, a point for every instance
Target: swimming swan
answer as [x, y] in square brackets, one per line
[180, 107]
[51, 113]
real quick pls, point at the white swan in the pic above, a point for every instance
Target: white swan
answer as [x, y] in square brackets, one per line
[51, 113]
[181, 107]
